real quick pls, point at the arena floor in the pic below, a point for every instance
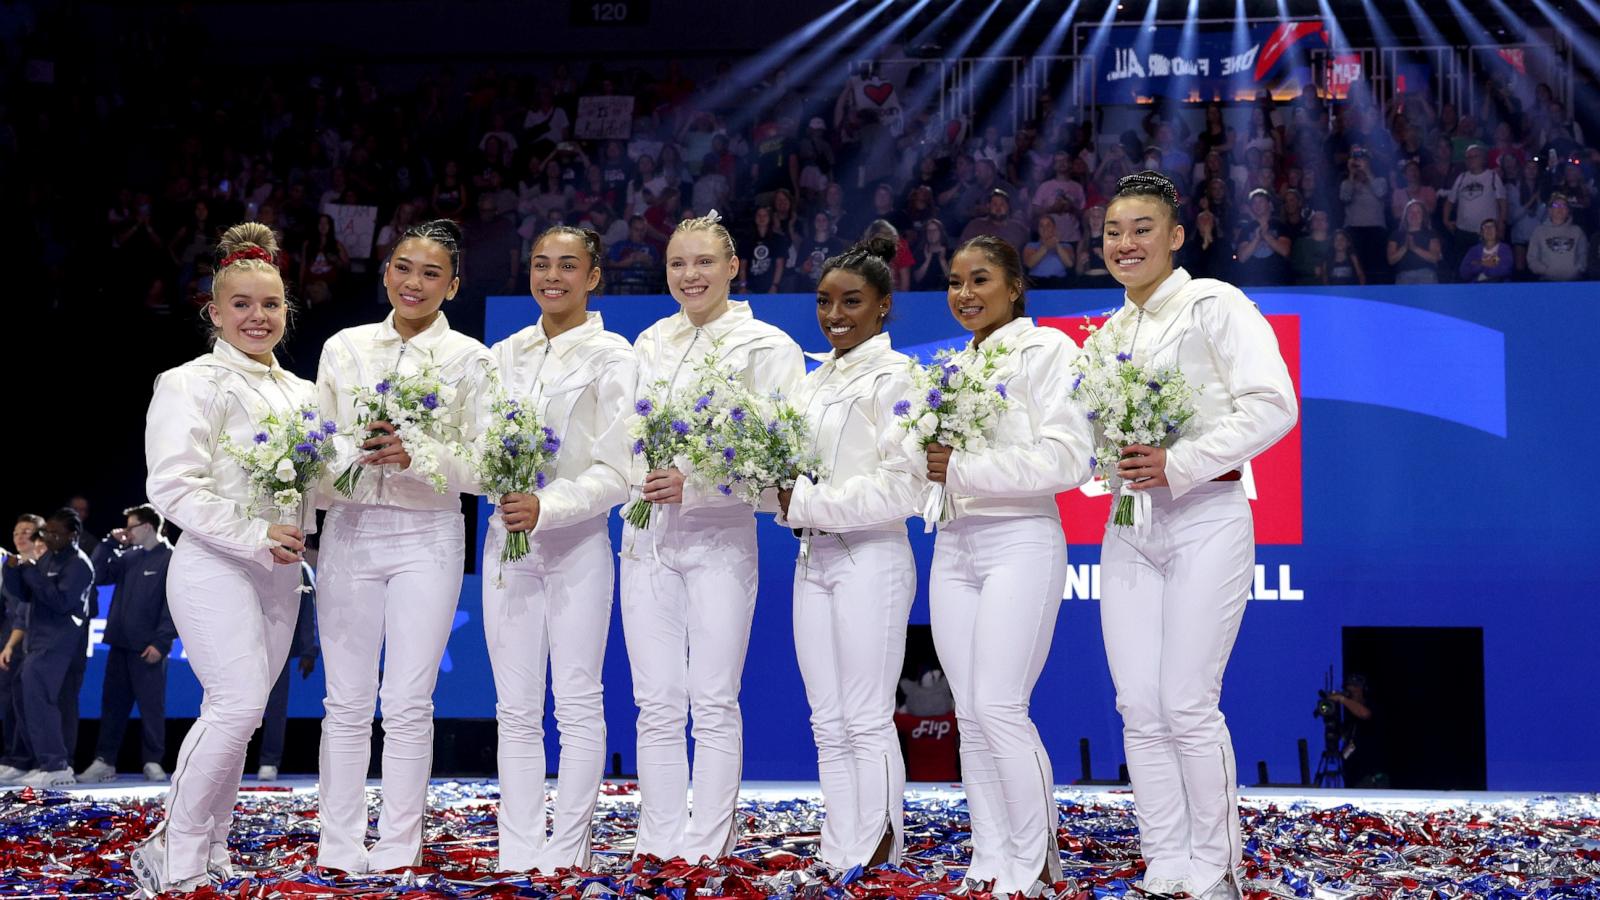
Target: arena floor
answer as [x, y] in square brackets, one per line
[1312, 844]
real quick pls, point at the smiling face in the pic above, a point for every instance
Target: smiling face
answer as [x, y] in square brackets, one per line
[699, 271]
[249, 311]
[849, 309]
[419, 280]
[23, 536]
[1140, 239]
[561, 274]
[979, 296]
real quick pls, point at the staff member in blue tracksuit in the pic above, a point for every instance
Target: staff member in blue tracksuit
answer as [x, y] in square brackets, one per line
[140, 632]
[303, 648]
[57, 589]
[16, 760]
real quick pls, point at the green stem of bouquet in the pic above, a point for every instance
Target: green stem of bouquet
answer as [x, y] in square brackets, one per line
[516, 546]
[1124, 516]
[346, 484]
[638, 513]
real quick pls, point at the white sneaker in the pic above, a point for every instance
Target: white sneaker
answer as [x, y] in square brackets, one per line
[1163, 887]
[267, 773]
[149, 862]
[11, 774]
[219, 865]
[98, 771]
[153, 772]
[48, 778]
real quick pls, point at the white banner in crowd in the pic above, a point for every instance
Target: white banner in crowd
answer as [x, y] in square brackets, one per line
[605, 118]
[354, 226]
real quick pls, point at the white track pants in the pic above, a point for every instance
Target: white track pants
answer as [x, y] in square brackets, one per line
[688, 594]
[551, 607]
[236, 621]
[851, 602]
[389, 582]
[1171, 605]
[994, 592]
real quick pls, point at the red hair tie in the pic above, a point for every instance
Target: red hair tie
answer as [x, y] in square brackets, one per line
[251, 252]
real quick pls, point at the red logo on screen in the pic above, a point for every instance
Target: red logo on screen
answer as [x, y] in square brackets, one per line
[1276, 472]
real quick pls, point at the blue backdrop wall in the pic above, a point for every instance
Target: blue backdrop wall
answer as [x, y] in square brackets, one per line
[1445, 479]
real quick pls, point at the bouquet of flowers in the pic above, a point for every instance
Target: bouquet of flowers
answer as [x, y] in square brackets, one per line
[660, 435]
[1128, 404]
[285, 457]
[958, 401]
[742, 443]
[414, 405]
[514, 456]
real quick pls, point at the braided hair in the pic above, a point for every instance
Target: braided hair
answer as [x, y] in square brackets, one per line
[1149, 183]
[870, 259]
[591, 245]
[443, 232]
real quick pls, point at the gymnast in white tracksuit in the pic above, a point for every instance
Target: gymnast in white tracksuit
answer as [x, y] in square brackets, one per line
[554, 605]
[999, 568]
[232, 581]
[856, 578]
[391, 557]
[1172, 596]
[689, 581]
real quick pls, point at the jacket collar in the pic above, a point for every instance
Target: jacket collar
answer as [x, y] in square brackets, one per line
[235, 359]
[1164, 292]
[1010, 331]
[429, 339]
[861, 355]
[564, 343]
[738, 314]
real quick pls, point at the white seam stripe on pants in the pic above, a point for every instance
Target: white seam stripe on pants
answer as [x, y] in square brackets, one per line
[389, 583]
[1171, 606]
[236, 621]
[993, 594]
[688, 595]
[851, 602]
[551, 607]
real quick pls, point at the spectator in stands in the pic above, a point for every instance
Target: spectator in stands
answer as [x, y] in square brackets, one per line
[1414, 249]
[1061, 197]
[1295, 222]
[815, 249]
[545, 124]
[1260, 244]
[603, 222]
[139, 633]
[1411, 186]
[1489, 259]
[1364, 196]
[1558, 249]
[323, 260]
[87, 540]
[786, 217]
[932, 270]
[1579, 193]
[632, 264]
[1308, 259]
[1344, 266]
[998, 222]
[763, 253]
[976, 202]
[405, 215]
[1209, 254]
[903, 259]
[1475, 195]
[449, 194]
[1050, 261]
[1092, 270]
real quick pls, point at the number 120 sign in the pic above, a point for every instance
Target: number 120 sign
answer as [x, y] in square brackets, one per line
[610, 12]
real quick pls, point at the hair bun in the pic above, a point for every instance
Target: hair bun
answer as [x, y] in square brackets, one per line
[447, 228]
[878, 247]
[246, 235]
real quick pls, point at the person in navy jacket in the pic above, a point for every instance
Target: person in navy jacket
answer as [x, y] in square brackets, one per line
[17, 758]
[56, 589]
[140, 632]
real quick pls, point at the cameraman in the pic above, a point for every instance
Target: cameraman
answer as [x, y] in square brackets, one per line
[1361, 740]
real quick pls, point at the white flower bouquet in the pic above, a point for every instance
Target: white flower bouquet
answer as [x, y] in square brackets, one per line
[285, 456]
[660, 435]
[415, 405]
[514, 455]
[741, 443]
[1128, 404]
[957, 402]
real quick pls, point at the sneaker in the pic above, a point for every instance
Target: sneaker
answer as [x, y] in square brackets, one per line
[49, 778]
[219, 865]
[98, 771]
[1225, 888]
[152, 772]
[149, 862]
[1163, 887]
[267, 773]
[11, 774]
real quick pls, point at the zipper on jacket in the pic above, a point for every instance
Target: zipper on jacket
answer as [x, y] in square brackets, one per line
[671, 385]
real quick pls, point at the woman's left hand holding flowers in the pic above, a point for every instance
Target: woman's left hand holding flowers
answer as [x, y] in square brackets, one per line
[1143, 467]
[386, 448]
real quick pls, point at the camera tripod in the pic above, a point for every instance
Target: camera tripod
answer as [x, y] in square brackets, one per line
[1330, 767]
